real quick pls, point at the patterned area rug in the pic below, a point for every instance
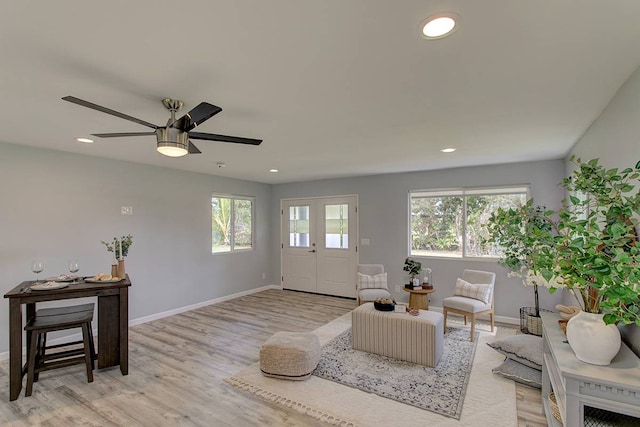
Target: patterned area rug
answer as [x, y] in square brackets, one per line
[440, 389]
[490, 400]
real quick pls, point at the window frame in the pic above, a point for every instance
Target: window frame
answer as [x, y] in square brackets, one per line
[232, 235]
[462, 192]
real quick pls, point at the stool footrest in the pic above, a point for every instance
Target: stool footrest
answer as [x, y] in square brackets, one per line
[45, 366]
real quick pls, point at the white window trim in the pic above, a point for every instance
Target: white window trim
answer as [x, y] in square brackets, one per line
[463, 192]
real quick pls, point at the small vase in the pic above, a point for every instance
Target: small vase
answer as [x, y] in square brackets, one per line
[114, 269]
[121, 273]
[591, 339]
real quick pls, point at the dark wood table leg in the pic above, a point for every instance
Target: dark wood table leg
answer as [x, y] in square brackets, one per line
[124, 331]
[108, 331]
[31, 312]
[15, 348]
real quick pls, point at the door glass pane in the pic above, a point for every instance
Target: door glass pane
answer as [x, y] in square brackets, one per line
[336, 226]
[299, 226]
[242, 226]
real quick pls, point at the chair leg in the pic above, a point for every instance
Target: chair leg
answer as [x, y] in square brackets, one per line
[491, 315]
[473, 326]
[444, 311]
[40, 352]
[87, 352]
[31, 363]
[92, 348]
[465, 320]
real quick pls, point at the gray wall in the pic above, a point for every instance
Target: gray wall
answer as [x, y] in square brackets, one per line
[383, 216]
[614, 139]
[57, 206]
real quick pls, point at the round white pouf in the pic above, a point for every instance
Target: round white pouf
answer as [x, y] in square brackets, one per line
[290, 355]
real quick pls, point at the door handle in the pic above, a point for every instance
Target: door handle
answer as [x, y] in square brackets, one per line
[312, 250]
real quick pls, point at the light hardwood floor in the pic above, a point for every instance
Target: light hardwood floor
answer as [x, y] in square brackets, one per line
[177, 366]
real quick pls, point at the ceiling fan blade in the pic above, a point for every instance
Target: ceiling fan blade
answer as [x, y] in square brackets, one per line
[193, 149]
[224, 138]
[97, 107]
[196, 116]
[118, 135]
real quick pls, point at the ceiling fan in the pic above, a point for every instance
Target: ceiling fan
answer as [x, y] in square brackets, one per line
[172, 139]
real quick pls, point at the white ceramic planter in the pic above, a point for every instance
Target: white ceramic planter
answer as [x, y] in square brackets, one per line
[591, 339]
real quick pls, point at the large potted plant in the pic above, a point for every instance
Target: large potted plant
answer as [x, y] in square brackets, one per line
[588, 247]
[521, 233]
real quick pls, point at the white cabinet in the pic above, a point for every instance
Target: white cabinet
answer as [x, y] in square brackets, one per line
[579, 387]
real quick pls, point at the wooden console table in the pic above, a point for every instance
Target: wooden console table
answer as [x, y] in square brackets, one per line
[581, 387]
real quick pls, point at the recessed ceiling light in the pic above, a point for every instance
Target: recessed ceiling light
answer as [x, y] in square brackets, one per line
[448, 150]
[438, 26]
[273, 170]
[85, 140]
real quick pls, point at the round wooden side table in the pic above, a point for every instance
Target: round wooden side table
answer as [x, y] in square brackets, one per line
[419, 298]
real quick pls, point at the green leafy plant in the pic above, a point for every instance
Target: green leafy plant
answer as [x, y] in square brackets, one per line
[589, 246]
[114, 245]
[412, 267]
[522, 233]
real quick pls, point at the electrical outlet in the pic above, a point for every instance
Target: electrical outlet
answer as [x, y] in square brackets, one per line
[264, 276]
[398, 288]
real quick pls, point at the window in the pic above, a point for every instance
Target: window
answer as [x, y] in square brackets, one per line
[450, 223]
[231, 223]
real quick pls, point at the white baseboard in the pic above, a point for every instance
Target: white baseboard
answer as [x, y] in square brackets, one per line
[179, 310]
[156, 316]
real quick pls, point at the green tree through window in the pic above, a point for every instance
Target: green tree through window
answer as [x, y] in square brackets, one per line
[450, 223]
[231, 223]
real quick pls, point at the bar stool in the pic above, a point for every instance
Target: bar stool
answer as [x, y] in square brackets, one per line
[57, 319]
[55, 311]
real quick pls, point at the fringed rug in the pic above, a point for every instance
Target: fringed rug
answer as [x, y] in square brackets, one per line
[490, 400]
[440, 389]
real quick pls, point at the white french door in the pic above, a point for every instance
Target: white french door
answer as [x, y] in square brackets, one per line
[319, 238]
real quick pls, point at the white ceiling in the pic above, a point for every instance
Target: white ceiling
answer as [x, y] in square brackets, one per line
[334, 87]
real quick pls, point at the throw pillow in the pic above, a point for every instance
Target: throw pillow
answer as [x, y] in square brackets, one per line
[525, 349]
[469, 290]
[379, 281]
[520, 373]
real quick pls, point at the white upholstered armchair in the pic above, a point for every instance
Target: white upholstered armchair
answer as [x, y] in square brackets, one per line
[472, 297]
[372, 283]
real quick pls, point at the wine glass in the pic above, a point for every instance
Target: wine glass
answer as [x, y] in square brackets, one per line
[37, 266]
[74, 267]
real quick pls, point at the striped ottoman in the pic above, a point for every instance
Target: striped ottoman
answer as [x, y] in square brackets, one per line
[290, 355]
[418, 339]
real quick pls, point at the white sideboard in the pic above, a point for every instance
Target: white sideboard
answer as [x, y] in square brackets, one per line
[614, 388]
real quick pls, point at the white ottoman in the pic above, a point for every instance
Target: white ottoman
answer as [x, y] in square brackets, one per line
[418, 339]
[290, 355]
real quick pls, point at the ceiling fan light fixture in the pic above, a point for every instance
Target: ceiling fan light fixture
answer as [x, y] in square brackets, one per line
[172, 142]
[172, 150]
